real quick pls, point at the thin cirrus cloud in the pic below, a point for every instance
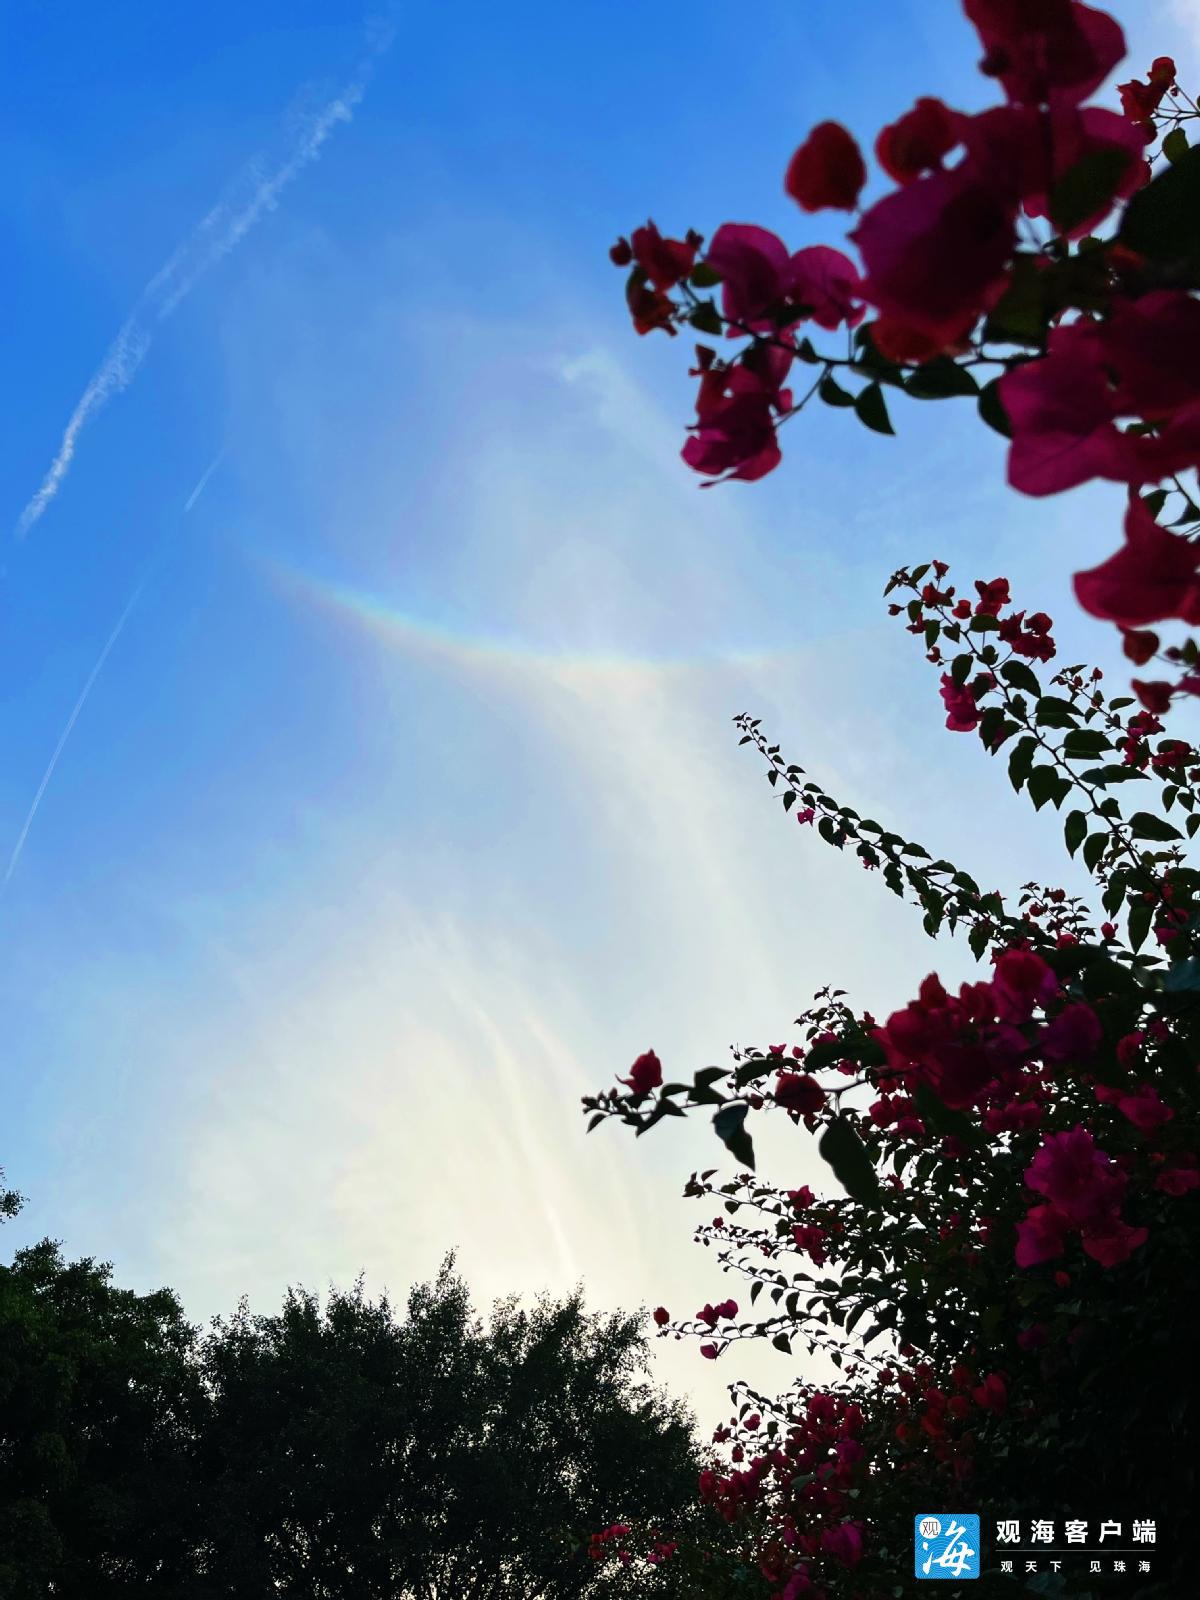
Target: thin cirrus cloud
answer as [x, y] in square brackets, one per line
[255, 190]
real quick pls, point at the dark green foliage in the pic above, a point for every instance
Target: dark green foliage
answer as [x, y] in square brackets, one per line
[323, 1452]
[98, 1402]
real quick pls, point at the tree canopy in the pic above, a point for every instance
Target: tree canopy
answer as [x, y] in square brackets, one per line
[325, 1450]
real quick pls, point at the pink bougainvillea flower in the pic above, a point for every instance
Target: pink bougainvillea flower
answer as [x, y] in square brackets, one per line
[1155, 695]
[648, 307]
[1030, 639]
[1061, 411]
[897, 341]
[802, 1197]
[1079, 1180]
[935, 252]
[796, 1091]
[1153, 345]
[827, 172]
[709, 1352]
[844, 1543]
[1139, 101]
[1041, 1236]
[1139, 646]
[918, 141]
[1064, 408]
[645, 1074]
[760, 280]
[1076, 136]
[1022, 982]
[662, 1316]
[665, 262]
[805, 815]
[1072, 1037]
[1151, 578]
[1046, 50]
[991, 1394]
[827, 283]
[1115, 1243]
[754, 266]
[962, 714]
[993, 596]
[736, 409]
[811, 1239]
[1144, 1108]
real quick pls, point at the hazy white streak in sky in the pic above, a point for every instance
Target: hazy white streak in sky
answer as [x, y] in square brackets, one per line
[203, 483]
[92, 676]
[66, 733]
[256, 190]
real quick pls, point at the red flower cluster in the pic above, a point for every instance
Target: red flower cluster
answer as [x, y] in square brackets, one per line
[799, 1093]
[1084, 1189]
[645, 1074]
[970, 1050]
[1139, 101]
[1114, 391]
[714, 1314]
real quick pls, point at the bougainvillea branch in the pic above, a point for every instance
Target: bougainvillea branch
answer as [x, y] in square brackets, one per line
[1039, 258]
[999, 1155]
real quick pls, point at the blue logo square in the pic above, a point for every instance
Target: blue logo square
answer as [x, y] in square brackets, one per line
[946, 1545]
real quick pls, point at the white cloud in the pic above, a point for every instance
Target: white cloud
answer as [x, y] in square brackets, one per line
[255, 190]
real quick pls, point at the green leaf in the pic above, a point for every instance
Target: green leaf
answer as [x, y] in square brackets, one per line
[941, 379]
[706, 318]
[1085, 743]
[852, 1166]
[782, 1342]
[833, 394]
[871, 409]
[1175, 145]
[991, 409]
[730, 1124]
[1146, 825]
[1155, 501]
[1021, 760]
[1088, 187]
[1139, 923]
[1022, 314]
[1162, 220]
[705, 276]
[1055, 713]
[1021, 677]
[1045, 784]
[1105, 775]
[1093, 849]
[1075, 830]
[994, 728]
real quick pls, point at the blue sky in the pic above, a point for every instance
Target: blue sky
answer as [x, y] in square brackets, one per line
[405, 807]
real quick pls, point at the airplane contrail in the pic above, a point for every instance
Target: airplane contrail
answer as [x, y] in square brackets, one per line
[77, 708]
[66, 733]
[255, 190]
[203, 483]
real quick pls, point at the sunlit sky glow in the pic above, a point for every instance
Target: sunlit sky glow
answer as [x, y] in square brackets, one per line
[406, 807]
